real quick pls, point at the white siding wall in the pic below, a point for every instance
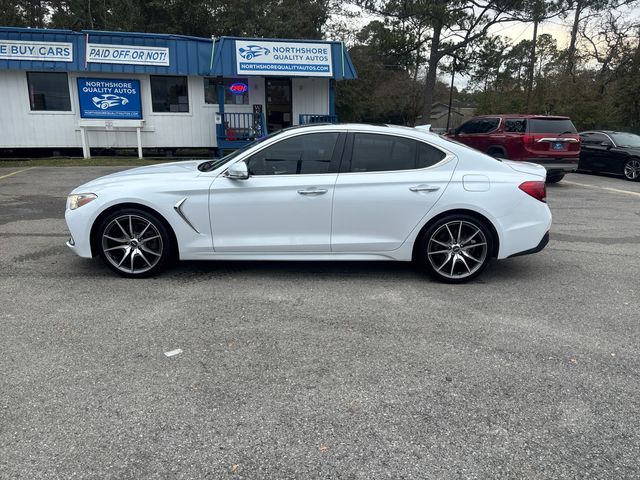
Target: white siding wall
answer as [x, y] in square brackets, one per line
[20, 127]
[309, 95]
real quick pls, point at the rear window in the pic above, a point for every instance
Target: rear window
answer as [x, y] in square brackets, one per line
[548, 125]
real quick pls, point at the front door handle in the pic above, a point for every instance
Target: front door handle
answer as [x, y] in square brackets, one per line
[313, 191]
[424, 188]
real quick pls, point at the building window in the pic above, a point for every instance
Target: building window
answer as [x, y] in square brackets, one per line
[236, 91]
[49, 91]
[169, 94]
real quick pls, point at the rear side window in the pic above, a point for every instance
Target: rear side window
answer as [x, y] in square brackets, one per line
[428, 155]
[383, 153]
[549, 125]
[515, 125]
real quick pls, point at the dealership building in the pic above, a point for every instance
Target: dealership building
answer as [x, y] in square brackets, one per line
[62, 90]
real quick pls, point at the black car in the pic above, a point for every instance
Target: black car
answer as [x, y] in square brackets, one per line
[610, 152]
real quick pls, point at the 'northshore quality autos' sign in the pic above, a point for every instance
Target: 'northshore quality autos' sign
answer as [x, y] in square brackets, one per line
[256, 57]
[109, 98]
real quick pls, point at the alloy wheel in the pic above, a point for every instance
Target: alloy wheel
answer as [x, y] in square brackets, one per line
[457, 249]
[132, 244]
[632, 169]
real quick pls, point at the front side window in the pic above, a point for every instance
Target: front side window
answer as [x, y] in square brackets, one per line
[304, 154]
[169, 94]
[487, 125]
[49, 91]
[468, 127]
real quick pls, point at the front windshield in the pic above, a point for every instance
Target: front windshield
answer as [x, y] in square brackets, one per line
[213, 164]
[626, 139]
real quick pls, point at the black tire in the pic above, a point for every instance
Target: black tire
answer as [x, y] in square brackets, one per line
[631, 170]
[134, 243]
[555, 178]
[443, 251]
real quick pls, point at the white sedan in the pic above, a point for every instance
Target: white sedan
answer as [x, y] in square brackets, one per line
[321, 192]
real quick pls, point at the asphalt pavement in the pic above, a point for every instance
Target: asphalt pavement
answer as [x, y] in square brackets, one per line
[321, 370]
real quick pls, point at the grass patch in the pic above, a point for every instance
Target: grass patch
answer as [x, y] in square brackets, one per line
[81, 162]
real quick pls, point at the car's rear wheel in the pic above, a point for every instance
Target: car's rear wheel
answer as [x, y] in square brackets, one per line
[632, 169]
[134, 243]
[456, 248]
[555, 177]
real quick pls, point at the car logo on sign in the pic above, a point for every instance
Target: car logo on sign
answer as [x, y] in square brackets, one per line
[108, 100]
[252, 51]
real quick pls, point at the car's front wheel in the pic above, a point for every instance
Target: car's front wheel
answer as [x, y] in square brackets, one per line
[134, 243]
[456, 248]
[632, 169]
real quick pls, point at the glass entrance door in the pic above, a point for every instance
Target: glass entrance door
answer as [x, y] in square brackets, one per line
[279, 111]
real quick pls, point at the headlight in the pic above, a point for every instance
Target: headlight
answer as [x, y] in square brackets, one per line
[80, 199]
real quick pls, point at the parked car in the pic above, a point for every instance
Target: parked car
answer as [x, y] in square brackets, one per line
[318, 192]
[552, 142]
[611, 152]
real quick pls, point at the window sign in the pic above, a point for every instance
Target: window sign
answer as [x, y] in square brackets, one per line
[109, 98]
[238, 88]
[257, 57]
[42, 51]
[129, 54]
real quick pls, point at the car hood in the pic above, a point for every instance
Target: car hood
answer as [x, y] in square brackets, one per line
[173, 168]
[526, 167]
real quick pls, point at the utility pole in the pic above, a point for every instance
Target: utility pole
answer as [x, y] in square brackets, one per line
[453, 74]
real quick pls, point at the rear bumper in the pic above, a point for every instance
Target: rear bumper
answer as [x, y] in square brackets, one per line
[543, 243]
[556, 164]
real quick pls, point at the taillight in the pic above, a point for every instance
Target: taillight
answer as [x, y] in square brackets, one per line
[537, 190]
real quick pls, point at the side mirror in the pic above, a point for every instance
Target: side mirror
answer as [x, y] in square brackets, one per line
[606, 144]
[238, 171]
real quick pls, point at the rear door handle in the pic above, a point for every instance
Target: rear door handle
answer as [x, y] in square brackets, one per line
[313, 191]
[424, 188]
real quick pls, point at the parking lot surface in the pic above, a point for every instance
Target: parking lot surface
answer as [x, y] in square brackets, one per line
[321, 370]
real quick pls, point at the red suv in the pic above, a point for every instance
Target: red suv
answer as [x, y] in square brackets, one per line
[552, 142]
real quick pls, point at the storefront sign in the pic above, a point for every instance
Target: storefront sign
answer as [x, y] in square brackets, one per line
[255, 57]
[129, 54]
[109, 98]
[43, 51]
[238, 88]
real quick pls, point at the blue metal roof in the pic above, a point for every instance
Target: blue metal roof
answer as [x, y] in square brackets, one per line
[188, 55]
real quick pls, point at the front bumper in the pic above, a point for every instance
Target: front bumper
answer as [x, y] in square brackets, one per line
[79, 223]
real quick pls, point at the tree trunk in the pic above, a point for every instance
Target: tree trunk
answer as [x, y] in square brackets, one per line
[532, 65]
[432, 74]
[571, 51]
